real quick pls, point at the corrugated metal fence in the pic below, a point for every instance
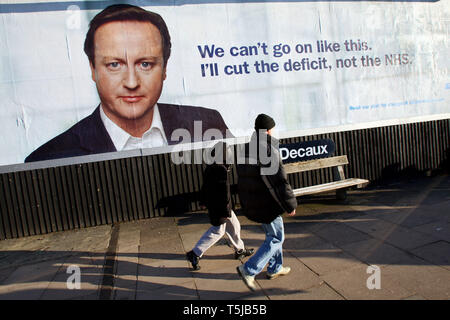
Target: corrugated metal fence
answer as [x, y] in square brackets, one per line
[83, 195]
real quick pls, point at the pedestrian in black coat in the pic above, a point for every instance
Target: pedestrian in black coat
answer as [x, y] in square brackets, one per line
[265, 194]
[216, 195]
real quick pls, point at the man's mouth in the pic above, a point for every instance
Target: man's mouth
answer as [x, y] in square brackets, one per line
[131, 99]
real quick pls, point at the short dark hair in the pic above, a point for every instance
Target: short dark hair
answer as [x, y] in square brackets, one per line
[126, 12]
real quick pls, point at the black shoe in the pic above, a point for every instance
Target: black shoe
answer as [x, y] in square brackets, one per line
[243, 253]
[193, 259]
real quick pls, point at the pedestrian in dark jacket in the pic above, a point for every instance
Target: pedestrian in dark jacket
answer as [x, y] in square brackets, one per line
[216, 195]
[265, 194]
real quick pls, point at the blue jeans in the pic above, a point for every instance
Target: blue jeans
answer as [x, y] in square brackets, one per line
[271, 251]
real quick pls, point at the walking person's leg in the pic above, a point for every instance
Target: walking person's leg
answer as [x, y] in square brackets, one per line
[233, 231]
[276, 260]
[271, 246]
[208, 239]
[275, 267]
[270, 251]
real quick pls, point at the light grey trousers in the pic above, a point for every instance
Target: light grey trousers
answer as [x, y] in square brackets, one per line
[231, 227]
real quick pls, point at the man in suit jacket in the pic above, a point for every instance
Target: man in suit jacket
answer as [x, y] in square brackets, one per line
[128, 49]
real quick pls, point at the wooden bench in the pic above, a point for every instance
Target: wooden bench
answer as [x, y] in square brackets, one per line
[341, 184]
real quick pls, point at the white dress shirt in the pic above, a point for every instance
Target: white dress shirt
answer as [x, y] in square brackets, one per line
[122, 140]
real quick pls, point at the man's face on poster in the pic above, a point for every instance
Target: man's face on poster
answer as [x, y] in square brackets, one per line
[129, 69]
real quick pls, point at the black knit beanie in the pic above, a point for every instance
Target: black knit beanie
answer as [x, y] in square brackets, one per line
[263, 121]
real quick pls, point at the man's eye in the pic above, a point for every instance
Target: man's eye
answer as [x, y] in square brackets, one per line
[146, 65]
[113, 65]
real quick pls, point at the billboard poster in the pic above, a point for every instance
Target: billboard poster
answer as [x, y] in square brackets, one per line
[313, 66]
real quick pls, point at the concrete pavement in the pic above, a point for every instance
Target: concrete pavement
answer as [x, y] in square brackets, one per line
[399, 232]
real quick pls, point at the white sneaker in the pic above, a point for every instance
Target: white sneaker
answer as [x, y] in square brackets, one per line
[283, 271]
[248, 279]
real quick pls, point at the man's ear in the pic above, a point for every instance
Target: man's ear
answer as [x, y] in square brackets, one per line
[165, 74]
[92, 71]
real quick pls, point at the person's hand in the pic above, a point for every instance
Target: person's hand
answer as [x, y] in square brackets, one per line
[292, 213]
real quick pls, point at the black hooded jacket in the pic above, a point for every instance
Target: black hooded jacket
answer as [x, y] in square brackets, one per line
[264, 197]
[215, 193]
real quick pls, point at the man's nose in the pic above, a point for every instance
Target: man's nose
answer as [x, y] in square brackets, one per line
[131, 79]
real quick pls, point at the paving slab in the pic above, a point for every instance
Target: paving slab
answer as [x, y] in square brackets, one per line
[162, 263]
[351, 283]
[428, 281]
[5, 273]
[372, 226]
[377, 252]
[165, 271]
[439, 229]
[437, 253]
[92, 239]
[391, 233]
[290, 286]
[180, 291]
[326, 258]
[321, 292]
[325, 207]
[163, 230]
[408, 239]
[314, 225]
[420, 216]
[415, 297]
[122, 292]
[91, 276]
[394, 215]
[221, 284]
[127, 261]
[340, 234]
[126, 277]
[297, 241]
[15, 259]
[29, 282]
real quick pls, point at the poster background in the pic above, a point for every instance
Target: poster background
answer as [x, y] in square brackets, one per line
[45, 82]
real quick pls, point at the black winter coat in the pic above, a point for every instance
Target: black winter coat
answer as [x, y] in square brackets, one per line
[215, 193]
[264, 197]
